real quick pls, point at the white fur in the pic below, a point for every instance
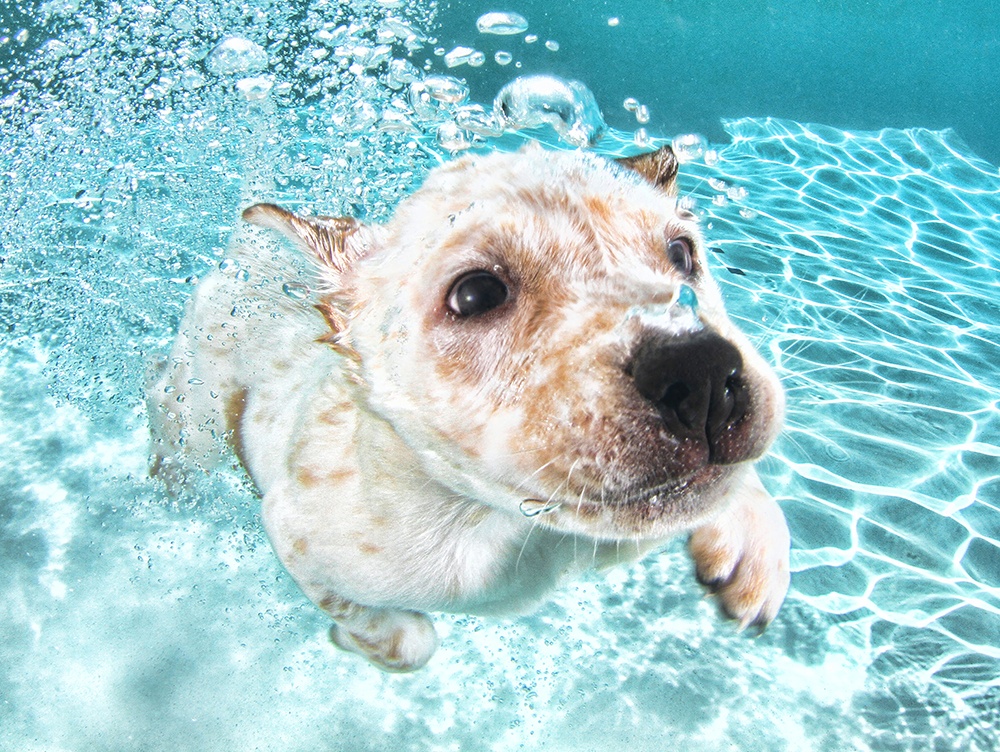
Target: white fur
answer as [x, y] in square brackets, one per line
[411, 461]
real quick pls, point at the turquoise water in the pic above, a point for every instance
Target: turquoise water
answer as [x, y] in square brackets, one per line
[864, 264]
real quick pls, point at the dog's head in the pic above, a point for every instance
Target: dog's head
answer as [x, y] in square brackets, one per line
[543, 331]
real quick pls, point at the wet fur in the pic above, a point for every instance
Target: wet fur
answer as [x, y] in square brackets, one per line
[410, 460]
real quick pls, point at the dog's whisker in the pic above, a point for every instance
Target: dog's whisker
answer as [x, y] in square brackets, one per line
[538, 470]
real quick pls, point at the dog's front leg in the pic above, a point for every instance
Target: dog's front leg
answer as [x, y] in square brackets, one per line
[394, 640]
[742, 554]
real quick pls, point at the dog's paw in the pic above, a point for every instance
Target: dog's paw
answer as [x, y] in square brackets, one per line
[742, 557]
[395, 641]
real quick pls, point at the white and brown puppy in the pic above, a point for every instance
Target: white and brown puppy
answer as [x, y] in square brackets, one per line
[526, 372]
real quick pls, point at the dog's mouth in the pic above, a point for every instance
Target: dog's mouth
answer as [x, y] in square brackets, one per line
[642, 512]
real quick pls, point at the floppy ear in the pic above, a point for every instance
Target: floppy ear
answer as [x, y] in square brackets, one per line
[328, 239]
[658, 167]
[333, 242]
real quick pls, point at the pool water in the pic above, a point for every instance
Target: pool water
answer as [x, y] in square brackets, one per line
[864, 264]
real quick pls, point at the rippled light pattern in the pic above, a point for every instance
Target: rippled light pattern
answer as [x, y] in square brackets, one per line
[864, 265]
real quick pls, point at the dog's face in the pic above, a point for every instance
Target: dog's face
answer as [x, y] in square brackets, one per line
[543, 330]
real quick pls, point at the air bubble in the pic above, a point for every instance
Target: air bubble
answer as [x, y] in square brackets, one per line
[256, 88]
[236, 55]
[459, 56]
[531, 39]
[353, 117]
[446, 89]
[689, 147]
[503, 58]
[552, 45]
[433, 97]
[295, 290]
[631, 104]
[568, 106]
[476, 59]
[641, 137]
[191, 80]
[642, 114]
[401, 73]
[502, 23]
[453, 138]
[476, 119]
[614, 21]
[535, 507]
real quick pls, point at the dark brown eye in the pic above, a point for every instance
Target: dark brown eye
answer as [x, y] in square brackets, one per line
[681, 255]
[476, 293]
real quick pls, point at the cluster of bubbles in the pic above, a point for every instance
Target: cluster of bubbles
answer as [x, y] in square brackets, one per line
[526, 102]
[421, 101]
[426, 102]
[495, 23]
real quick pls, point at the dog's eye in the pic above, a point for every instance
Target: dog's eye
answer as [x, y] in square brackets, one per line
[681, 255]
[476, 293]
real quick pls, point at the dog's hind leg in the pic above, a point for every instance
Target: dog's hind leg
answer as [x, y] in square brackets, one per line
[394, 640]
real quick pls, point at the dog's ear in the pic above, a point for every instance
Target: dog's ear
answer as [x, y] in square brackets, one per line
[334, 242]
[658, 167]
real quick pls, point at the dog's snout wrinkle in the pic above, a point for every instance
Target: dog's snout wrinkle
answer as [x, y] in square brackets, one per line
[696, 382]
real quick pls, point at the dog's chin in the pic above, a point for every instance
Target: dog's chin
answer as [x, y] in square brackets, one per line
[638, 512]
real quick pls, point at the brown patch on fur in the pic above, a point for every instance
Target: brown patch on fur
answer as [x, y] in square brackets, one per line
[339, 476]
[335, 415]
[599, 208]
[394, 651]
[338, 607]
[235, 409]
[370, 548]
[300, 546]
[308, 478]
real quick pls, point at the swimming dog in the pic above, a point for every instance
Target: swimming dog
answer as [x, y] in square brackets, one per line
[527, 371]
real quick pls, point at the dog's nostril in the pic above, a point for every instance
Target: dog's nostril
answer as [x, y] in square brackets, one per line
[676, 393]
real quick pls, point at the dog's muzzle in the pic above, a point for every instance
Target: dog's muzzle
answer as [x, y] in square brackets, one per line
[696, 383]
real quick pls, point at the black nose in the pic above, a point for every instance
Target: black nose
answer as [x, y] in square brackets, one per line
[696, 383]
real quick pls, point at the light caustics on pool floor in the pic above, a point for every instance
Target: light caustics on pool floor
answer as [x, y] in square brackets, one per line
[864, 265]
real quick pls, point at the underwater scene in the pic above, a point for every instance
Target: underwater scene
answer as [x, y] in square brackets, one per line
[861, 257]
